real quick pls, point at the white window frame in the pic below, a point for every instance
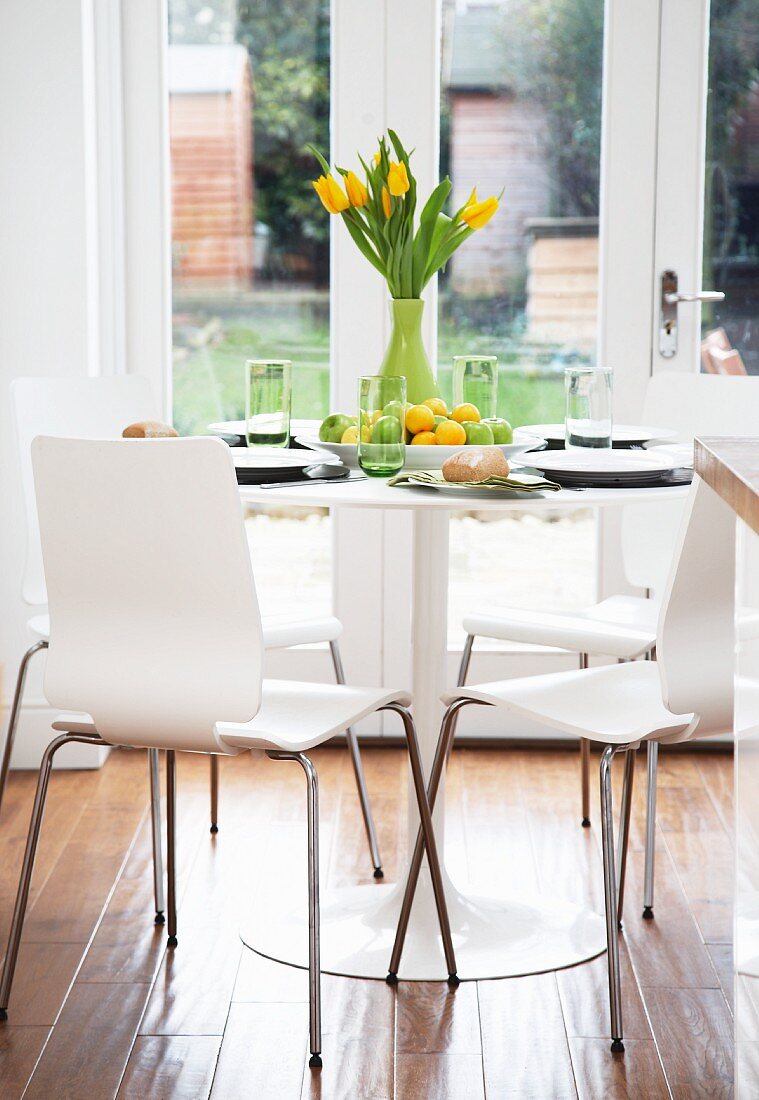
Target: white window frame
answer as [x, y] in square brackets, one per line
[386, 70]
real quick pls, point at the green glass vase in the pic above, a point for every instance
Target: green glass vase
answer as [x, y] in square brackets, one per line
[406, 356]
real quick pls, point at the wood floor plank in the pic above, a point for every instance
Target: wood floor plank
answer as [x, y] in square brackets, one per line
[263, 1052]
[721, 955]
[442, 1076]
[630, 1076]
[524, 1043]
[432, 1018]
[667, 951]
[19, 1050]
[584, 992]
[44, 972]
[512, 822]
[87, 1053]
[694, 1032]
[178, 1066]
[358, 1026]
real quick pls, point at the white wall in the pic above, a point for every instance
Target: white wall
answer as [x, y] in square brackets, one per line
[43, 288]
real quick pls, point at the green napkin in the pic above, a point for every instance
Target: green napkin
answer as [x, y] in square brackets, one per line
[525, 483]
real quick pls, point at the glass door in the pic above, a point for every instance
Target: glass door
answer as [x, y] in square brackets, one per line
[521, 98]
[248, 87]
[730, 328]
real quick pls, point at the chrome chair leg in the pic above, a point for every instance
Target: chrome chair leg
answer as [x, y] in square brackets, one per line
[442, 752]
[466, 657]
[610, 897]
[155, 822]
[428, 841]
[214, 793]
[314, 944]
[171, 848]
[652, 748]
[585, 765]
[27, 867]
[10, 736]
[358, 771]
[624, 830]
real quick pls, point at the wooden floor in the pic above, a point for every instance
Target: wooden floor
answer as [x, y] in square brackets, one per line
[100, 1010]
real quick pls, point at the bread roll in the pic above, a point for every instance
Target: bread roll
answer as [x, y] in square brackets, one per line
[476, 464]
[149, 429]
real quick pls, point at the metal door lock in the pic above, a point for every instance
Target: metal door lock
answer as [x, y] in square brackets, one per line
[669, 301]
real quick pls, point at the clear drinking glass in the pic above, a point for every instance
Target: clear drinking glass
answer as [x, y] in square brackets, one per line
[475, 380]
[268, 393]
[382, 425]
[588, 409]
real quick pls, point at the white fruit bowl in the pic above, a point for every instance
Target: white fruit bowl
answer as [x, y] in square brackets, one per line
[423, 458]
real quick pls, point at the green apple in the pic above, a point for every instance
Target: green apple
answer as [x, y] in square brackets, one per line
[477, 433]
[387, 430]
[396, 409]
[439, 420]
[501, 429]
[333, 427]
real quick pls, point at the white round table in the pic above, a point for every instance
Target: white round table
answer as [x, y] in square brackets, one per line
[493, 936]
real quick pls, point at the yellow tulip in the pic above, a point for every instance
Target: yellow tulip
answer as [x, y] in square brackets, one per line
[331, 193]
[386, 202]
[477, 214]
[377, 158]
[397, 179]
[357, 193]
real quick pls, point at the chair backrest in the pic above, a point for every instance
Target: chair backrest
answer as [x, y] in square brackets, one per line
[695, 642]
[94, 408]
[154, 623]
[691, 404]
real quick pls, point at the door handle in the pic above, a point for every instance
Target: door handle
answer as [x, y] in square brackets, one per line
[670, 298]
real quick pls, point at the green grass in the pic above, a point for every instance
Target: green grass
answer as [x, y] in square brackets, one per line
[209, 379]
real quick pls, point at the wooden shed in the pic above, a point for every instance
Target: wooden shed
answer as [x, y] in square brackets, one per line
[211, 129]
[496, 142]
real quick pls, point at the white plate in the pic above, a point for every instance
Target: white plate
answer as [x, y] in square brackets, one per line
[624, 435]
[272, 458]
[421, 458]
[610, 463]
[237, 427]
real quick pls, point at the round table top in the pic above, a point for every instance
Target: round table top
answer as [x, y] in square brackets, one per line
[376, 493]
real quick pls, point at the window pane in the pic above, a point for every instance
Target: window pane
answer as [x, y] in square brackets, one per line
[521, 111]
[249, 86]
[731, 227]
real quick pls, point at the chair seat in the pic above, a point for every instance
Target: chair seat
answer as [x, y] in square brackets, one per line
[294, 716]
[621, 626]
[615, 704]
[39, 625]
[281, 633]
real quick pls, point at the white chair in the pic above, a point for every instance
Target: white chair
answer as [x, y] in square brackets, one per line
[625, 626]
[686, 694]
[101, 408]
[156, 637]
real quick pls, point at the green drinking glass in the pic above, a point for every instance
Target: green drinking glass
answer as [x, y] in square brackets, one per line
[382, 425]
[268, 395]
[475, 381]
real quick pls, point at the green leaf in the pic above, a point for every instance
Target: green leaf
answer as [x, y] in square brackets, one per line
[320, 158]
[443, 254]
[363, 245]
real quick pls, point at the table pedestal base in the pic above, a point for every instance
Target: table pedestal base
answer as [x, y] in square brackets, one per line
[493, 937]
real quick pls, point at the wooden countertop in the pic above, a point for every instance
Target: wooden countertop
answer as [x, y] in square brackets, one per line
[731, 467]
